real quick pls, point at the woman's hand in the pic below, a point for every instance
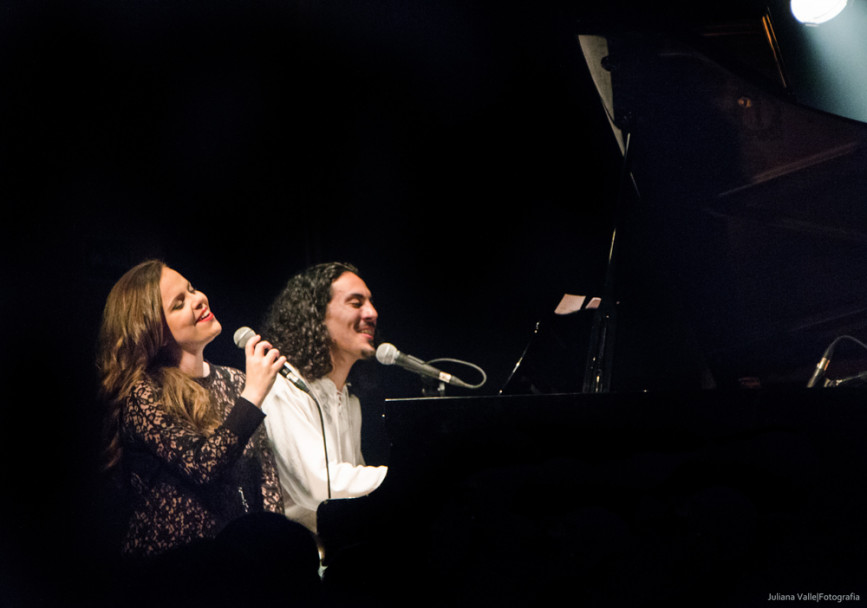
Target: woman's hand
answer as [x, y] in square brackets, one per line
[263, 364]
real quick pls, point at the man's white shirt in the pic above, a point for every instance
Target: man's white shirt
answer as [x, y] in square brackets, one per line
[295, 431]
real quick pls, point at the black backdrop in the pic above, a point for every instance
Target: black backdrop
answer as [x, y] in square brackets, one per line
[454, 151]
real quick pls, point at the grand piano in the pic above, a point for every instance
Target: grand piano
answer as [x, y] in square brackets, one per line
[664, 448]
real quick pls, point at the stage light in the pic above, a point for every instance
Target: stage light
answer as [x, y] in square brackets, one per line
[814, 12]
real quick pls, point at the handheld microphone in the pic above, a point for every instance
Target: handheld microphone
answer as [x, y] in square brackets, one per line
[243, 335]
[387, 354]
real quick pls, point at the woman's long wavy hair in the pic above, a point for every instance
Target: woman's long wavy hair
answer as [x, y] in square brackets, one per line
[135, 345]
[295, 322]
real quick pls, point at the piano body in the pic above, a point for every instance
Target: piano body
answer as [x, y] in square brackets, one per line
[710, 498]
[701, 471]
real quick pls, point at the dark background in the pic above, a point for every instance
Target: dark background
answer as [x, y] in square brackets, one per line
[456, 152]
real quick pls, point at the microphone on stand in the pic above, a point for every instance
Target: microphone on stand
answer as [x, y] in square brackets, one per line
[387, 354]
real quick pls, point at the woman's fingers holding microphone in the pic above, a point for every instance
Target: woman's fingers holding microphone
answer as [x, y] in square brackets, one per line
[263, 365]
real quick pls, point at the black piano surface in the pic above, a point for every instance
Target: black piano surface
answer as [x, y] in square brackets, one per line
[741, 247]
[711, 498]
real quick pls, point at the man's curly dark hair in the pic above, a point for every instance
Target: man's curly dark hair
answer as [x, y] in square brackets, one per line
[295, 322]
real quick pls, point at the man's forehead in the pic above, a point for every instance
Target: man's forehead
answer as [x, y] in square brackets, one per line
[349, 285]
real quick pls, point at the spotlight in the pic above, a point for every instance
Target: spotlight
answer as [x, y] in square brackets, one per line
[814, 12]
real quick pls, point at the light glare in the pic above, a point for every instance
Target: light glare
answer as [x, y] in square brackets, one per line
[814, 12]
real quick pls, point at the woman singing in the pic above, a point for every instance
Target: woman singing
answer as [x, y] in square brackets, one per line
[186, 433]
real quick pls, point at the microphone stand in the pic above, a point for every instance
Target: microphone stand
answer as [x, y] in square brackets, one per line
[433, 388]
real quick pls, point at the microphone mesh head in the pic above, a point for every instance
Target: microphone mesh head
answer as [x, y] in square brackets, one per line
[242, 336]
[386, 353]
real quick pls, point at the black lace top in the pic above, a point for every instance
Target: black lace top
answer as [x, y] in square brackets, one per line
[186, 486]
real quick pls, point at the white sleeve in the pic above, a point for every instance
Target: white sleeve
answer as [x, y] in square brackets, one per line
[294, 427]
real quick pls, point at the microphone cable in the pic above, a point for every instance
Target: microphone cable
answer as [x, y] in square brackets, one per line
[468, 364]
[324, 441]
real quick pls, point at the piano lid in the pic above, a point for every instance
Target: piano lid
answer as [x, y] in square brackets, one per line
[749, 222]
